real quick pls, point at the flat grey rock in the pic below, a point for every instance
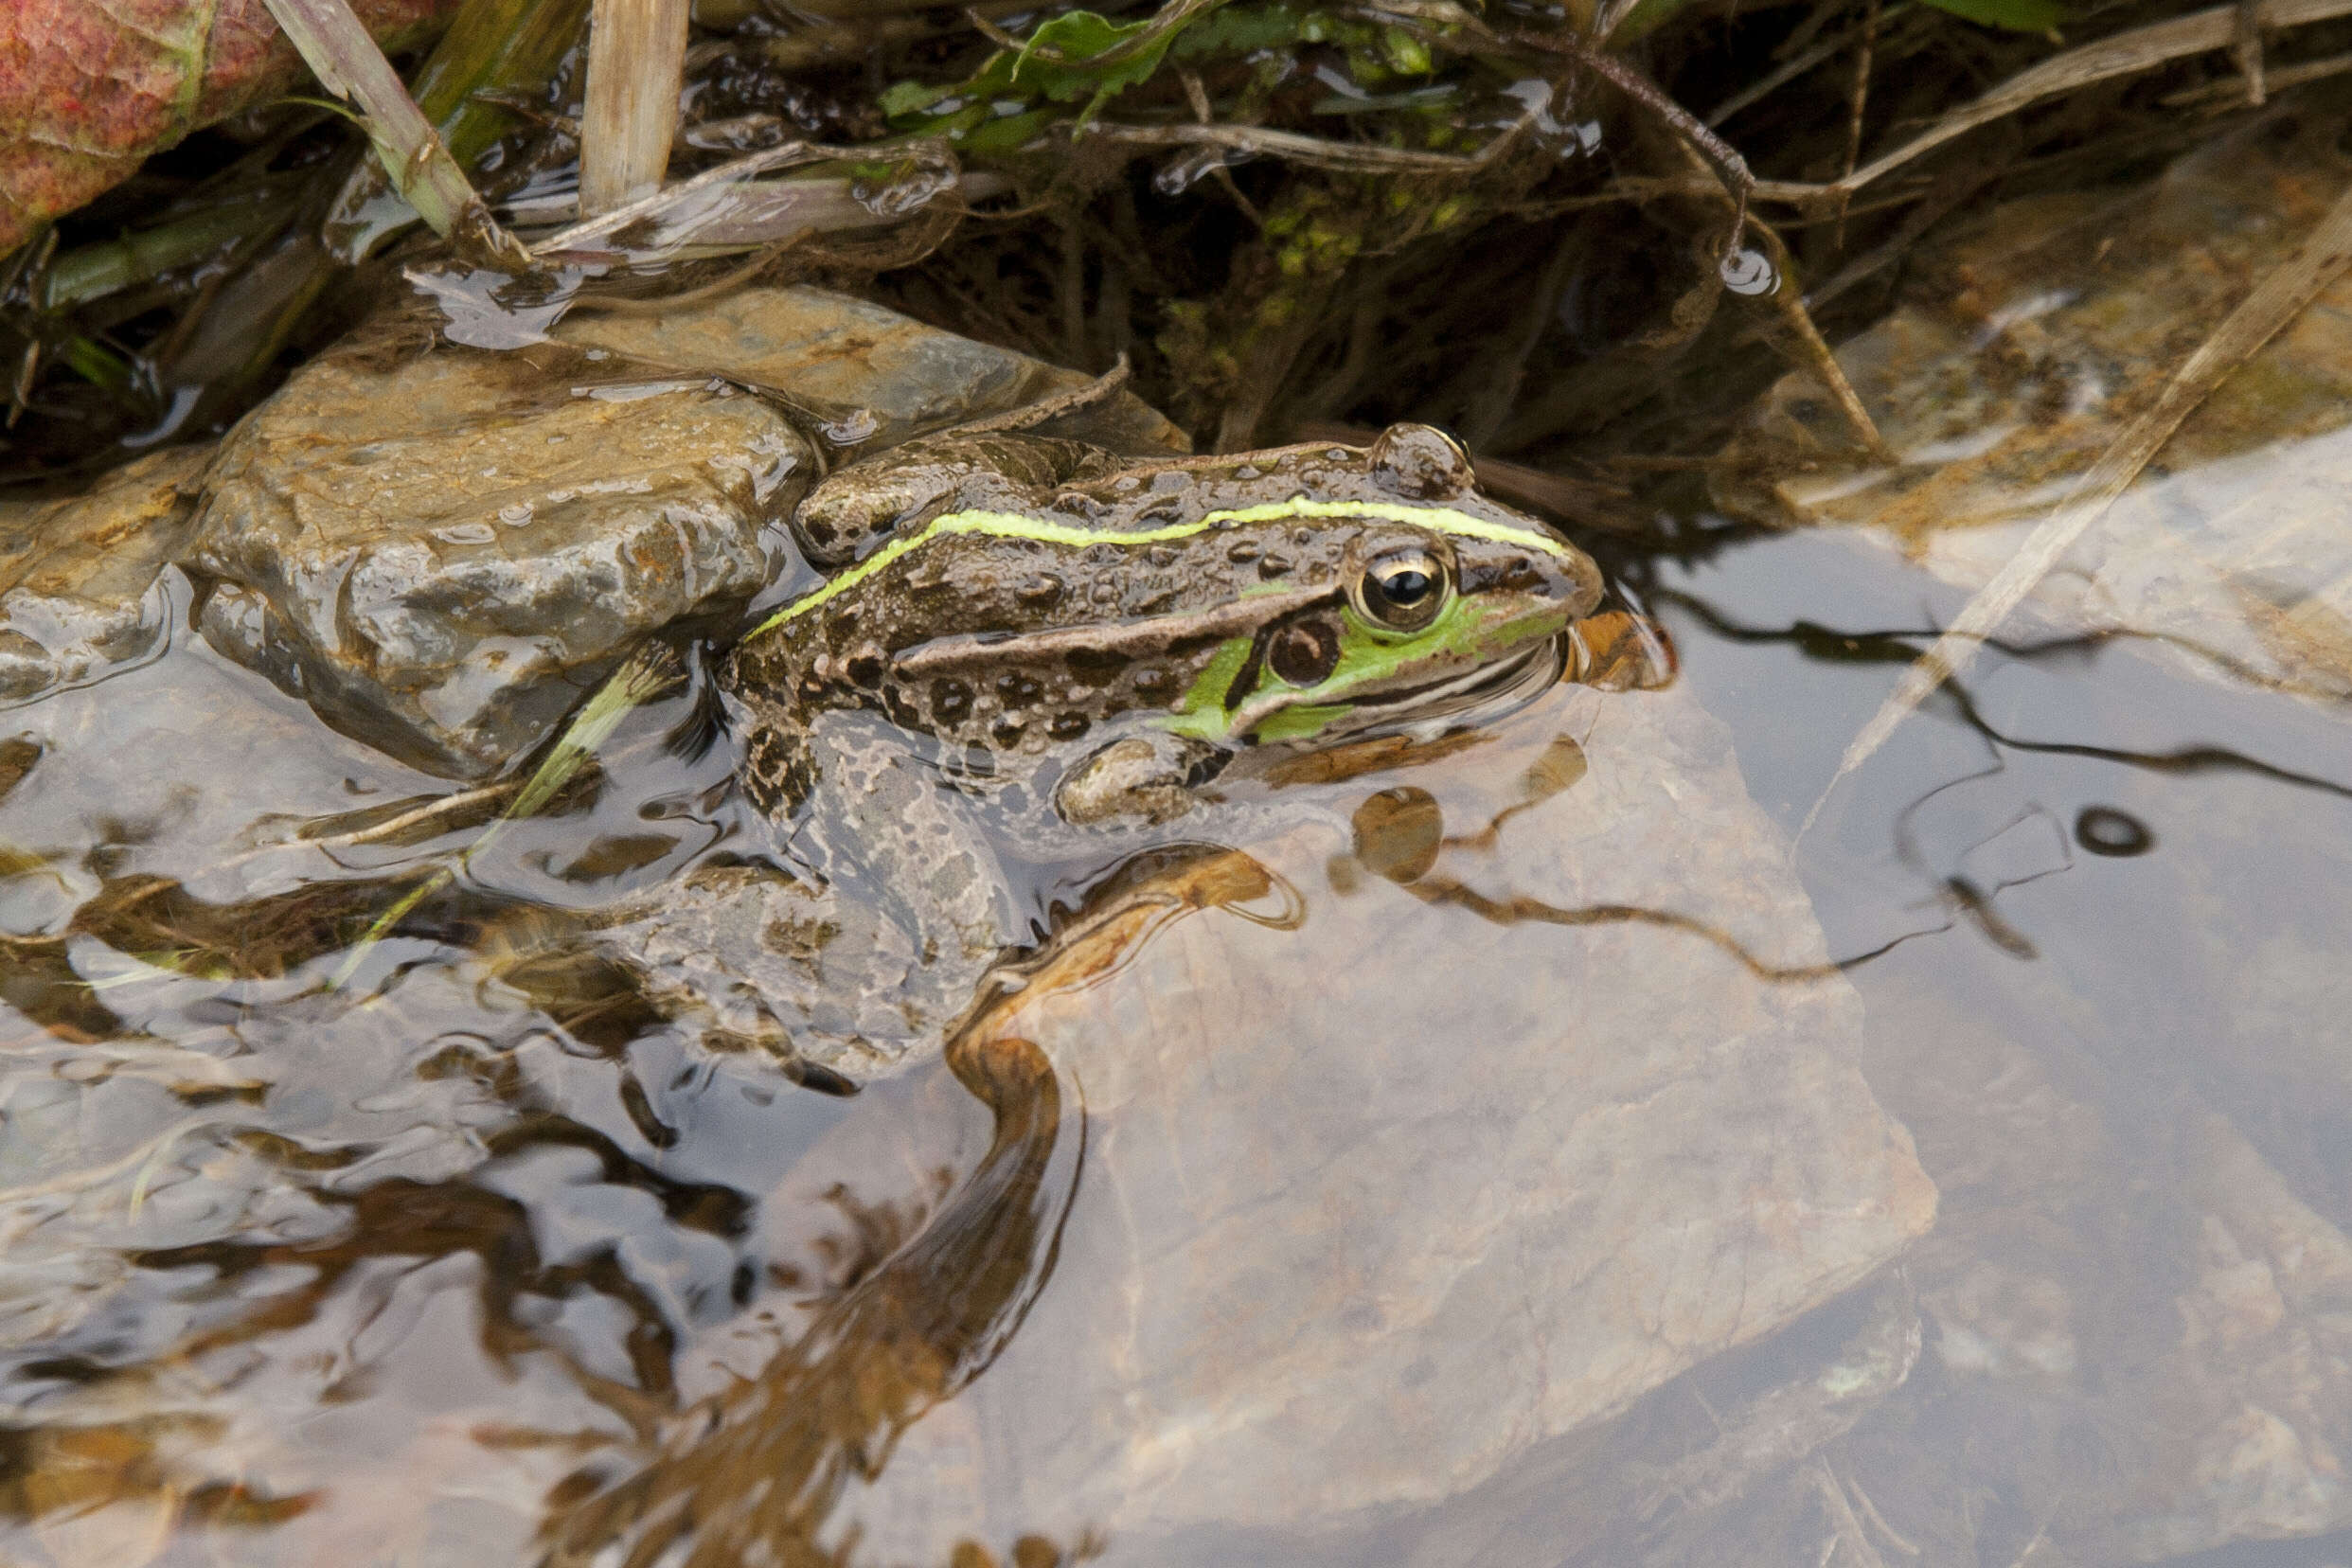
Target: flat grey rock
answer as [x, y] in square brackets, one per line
[1376, 1193]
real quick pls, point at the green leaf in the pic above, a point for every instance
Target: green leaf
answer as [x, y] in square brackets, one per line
[909, 97]
[1079, 39]
[1072, 57]
[1240, 30]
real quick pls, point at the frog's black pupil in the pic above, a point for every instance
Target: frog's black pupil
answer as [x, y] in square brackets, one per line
[1405, 587]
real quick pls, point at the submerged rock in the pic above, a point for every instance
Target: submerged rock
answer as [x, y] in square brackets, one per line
[79, 577]
[1407, 1145]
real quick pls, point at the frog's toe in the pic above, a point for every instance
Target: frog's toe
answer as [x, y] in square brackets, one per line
[1135, 780]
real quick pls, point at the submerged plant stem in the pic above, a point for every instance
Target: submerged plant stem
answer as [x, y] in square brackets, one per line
[651, 671]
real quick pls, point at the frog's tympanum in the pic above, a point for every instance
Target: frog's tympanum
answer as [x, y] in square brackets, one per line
[1027, 650]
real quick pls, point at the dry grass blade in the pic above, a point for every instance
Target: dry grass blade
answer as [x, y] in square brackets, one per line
[637, 59]
[2275, 80]
[347, 63]
[663, 203]
[2280, 297]
[728, 208]
[2127, 53]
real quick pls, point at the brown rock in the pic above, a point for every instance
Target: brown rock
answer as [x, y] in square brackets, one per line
[78, 577]
[445, 553]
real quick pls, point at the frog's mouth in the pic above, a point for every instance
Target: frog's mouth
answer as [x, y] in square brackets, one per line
[1479, 695]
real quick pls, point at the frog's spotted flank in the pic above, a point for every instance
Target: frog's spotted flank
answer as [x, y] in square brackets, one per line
[1016, 526]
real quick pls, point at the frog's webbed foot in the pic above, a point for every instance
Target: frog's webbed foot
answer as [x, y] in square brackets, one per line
[1141, 779]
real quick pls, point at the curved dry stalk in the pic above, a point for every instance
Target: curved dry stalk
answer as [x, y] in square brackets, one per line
[2277, 300]
[1029, 416]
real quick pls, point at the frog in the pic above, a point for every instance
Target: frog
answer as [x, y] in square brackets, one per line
[1029, 661]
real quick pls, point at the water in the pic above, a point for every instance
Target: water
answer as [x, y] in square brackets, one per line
[1498, 1163]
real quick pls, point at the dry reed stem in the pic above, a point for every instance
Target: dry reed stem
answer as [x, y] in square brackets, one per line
[636, 61]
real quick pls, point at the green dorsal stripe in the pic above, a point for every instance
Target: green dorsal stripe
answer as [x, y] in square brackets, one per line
[1015, 526]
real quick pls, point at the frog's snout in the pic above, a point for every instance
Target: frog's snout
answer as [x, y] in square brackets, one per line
[1569, 581]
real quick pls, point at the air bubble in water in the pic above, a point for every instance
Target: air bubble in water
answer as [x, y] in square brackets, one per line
[1748, 271]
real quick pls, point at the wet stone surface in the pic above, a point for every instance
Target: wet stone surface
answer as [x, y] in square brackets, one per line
[871, 376]
[446, 553]
[78, 576]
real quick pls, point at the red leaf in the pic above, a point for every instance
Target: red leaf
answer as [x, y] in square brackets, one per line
[88, 88]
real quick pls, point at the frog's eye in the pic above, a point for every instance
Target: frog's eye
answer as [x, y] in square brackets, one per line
[1402, 590]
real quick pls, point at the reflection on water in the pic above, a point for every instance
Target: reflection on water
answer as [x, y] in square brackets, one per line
[1507, 1153]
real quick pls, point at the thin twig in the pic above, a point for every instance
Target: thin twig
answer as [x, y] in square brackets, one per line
[1858, 101]
[1814, 350]
[1849, 1530]
[1204, 112]
[1782, 75]
[2277, 81]
[2277, 300]
[1878, 1521]
[1720, 155]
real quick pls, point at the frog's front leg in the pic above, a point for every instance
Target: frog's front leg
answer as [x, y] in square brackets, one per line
[1141, 779]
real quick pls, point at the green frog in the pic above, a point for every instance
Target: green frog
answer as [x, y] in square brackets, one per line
[1031, 661]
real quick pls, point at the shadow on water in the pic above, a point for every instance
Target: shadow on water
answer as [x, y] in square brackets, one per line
[756, 1475]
